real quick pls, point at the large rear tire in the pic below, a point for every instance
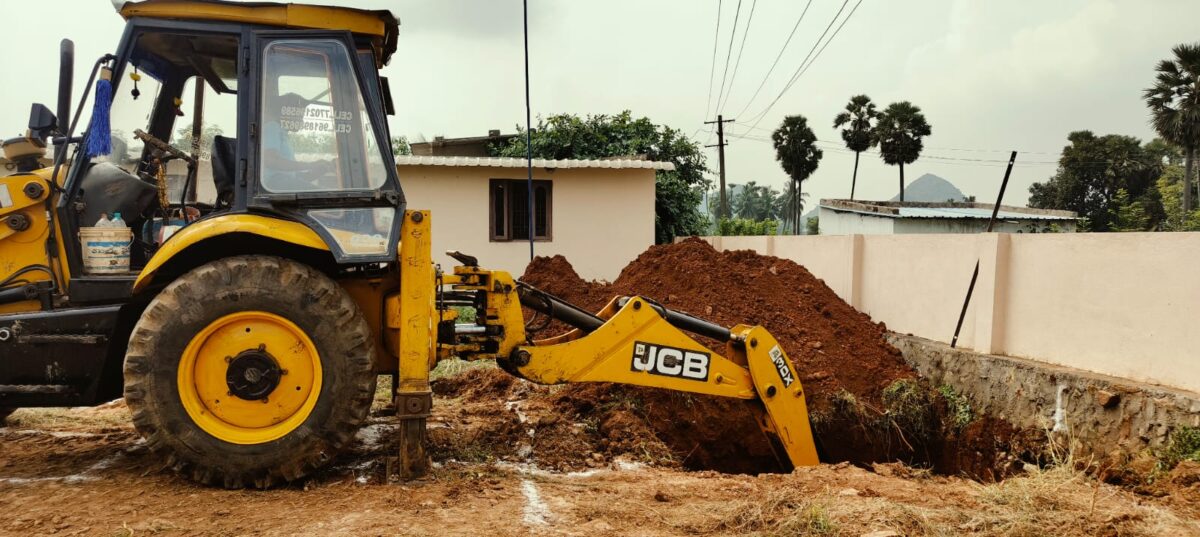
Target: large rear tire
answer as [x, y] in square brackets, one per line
[250, 371]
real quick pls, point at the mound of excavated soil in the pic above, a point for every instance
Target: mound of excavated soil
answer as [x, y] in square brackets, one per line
[835, 348]
[842, 357]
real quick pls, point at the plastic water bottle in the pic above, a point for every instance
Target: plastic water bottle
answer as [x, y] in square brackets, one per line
[104, 221]
[117, 222]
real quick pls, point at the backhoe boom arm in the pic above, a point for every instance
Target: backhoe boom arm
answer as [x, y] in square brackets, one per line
[635, 341]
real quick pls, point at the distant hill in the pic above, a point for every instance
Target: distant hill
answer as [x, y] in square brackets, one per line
[931, 188]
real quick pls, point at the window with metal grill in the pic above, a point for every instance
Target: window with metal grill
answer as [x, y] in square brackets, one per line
[509, 210]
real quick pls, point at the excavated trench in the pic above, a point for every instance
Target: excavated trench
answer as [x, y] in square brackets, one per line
[866, 404]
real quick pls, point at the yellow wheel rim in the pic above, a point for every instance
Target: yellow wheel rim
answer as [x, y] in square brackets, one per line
[250, 377]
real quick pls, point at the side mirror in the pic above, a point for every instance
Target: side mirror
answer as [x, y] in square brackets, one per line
[66, 75]
[41, 124]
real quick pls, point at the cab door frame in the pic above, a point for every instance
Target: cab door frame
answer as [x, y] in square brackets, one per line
[295, 205]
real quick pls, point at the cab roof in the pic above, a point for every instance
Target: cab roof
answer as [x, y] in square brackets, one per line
[380, 26]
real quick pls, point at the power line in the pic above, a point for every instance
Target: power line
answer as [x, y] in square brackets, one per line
[777, 57]
[712, 70]
[827, 42]
[729, 51]
[738, 63]
[796, 74]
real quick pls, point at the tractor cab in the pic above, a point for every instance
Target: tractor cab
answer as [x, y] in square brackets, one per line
[220, 109]
[235, 129]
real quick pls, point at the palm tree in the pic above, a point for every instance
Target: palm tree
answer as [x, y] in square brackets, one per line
[1174, 103]
[858, 115]
[898, 132]
[755, 202]
[797, 153]
[785, 206]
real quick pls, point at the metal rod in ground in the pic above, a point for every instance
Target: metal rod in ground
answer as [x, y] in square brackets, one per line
[975, 274]
[528, 131]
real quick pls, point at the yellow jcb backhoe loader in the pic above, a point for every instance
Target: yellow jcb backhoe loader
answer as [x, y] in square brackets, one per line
[240, 264]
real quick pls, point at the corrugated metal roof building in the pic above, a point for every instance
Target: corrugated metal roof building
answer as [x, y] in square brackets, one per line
[845, 217]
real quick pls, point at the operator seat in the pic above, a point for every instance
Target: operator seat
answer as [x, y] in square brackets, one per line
[224, 157]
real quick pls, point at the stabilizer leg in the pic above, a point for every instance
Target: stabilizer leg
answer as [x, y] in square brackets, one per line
[414, 317]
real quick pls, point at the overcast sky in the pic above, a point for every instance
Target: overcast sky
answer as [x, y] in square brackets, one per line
[990, 76]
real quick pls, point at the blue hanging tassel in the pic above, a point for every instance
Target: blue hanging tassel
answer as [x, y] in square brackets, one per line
[99, 132]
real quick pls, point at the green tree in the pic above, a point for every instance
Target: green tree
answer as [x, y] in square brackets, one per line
[400, 145]
[1164, 152]
[858, 134]
[797, 153]
[1174, 102]
[813, 226]
[785, 206]
[899, 131]
[1170, 189]
[755, 202]
[727, 227]
[1129, 215]
[1092, 170]
[678, 193]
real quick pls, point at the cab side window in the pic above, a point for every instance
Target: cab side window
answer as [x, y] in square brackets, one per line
[315, 133]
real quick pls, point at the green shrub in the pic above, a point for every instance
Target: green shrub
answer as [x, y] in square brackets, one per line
[959, 407]
[727, 227]
[1184, 445]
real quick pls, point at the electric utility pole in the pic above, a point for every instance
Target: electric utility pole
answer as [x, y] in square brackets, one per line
[723, 207]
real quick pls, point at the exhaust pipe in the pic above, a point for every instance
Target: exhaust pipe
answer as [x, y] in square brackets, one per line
[66, 80]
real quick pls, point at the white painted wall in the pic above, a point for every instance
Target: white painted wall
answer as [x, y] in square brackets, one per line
[1121, 304]
[844, 223]
[602, 218]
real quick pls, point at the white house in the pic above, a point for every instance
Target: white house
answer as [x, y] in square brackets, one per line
[599, 214]
[845, 217]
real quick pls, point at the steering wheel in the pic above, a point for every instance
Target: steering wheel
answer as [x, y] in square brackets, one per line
[163, 146]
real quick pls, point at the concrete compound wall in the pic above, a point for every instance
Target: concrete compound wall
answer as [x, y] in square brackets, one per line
[1119, 304]
[1099, 414]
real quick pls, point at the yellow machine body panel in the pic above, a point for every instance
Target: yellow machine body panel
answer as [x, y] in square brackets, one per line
[636, 346]
[265, 226]
[24, 229]
[285, 15]
[381, 26]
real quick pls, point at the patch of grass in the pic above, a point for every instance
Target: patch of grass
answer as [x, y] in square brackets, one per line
[623, 399]
[960, 412]
[383, 391]
[109, 415]
[845, 403]
[474, 451]
[455, 366]
[1184, 445]
[812, 519]
[466, 314]
[908, 404]
[781, 512]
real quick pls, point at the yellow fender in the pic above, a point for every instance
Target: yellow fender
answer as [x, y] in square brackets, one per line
[265, 226]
